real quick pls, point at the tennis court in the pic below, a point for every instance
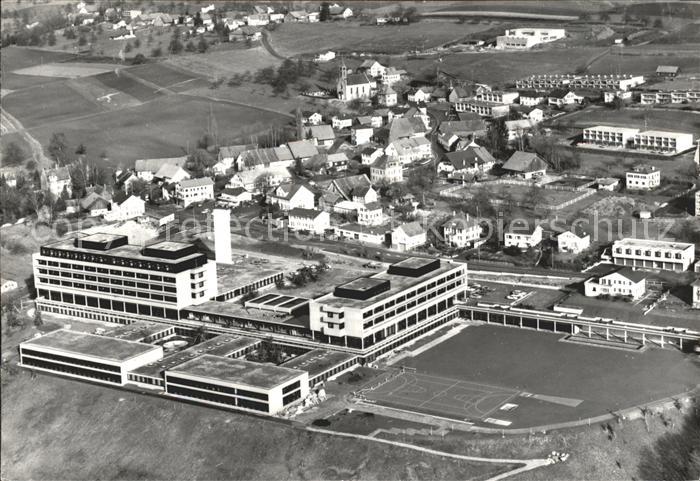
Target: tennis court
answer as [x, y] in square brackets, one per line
[439, 396]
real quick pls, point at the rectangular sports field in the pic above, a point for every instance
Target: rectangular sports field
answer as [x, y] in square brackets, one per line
[473, 374]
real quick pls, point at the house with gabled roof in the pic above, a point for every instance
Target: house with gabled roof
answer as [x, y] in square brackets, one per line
[522, 235]
[354, 188]
[374, 68]
[622, 281]
[370, 214]
[260, 159]
[229, 153]
[130, 208]
[408, 150]
[461, 232]
[386, 169]
[408, 237]
[171, 174]
[291, 196]
[472, 160]
[561, 97]
[321, 135]
[190, 191]
[525, 164]
[310, 220]
[234, 196]
[57, 180]
[574, 240]
[146, 168]
[401, 128]
[302, 149]
[337, 162]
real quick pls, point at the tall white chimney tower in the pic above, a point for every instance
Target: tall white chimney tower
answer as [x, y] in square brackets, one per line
[222, 235]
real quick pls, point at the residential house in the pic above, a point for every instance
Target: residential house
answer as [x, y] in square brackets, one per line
[562, 97]
[130, 208]
[392, 75]
[408, 237]
[535, 115]
[190, 191]
[57, 180]
[229, 153]
[302, 150]
[643, 177]
[374, 68]
[522, 236]
[322, 135]
[518, 129]
[338, 11]
[337, 162]
[461, 232]
[95, 204]
[459, 94]
[340, 122]
[498, 96]
[574, 240]
[386, 169]
[403, 128]
[125, 180]
[530, 98]
[325, 57]
[171, 174]
[525, 164]
[260, 159]
[608, 183]
[667, 70]
[355, 188]
[468, 128]
[310, 220]
[258, 20]
[146, 168]
[374, 235]
[370, 214]
[408, 150]
[234, 197]
[421, 95]
[290, 196]
[470, 161]
[362, 134]
[313, 118]
[624, 281]
[387, 96]
[370, 154]
[448, 140]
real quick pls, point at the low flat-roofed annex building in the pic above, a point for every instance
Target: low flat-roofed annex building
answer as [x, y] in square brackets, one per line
[522, 38]
[102, 277]
[653, 254]
[661, 141]
[85, 356]
[237, 384]
[377, 313]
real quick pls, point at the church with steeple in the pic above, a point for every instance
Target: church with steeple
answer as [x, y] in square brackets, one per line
[352, 86]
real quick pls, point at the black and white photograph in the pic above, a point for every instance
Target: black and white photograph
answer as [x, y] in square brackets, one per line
[350, 240]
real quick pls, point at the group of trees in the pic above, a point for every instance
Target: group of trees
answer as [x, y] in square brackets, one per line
[288, 73]
[177, 46]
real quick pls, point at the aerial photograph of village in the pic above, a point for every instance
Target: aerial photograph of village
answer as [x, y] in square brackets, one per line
[350, 240]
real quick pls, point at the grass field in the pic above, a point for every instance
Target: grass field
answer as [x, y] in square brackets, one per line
[519, 6]
[15, 58]
[535, 362]
[162, 75]
[224, 63]
[163, 127]
[66, 69]
[118, 81]
[55, 428]
[499, 68]
[657, 119]
[644, 64]
[296, 38]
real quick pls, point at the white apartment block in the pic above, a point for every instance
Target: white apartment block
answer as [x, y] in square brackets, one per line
[598, 82]
[609, 136]
[190, 191]
[670, 97]
[370, 214]
[390, 307]
[523, 38]
[643, 178]
[498, 97]
[309, 220]
[665, 142]
[485, 109]
[654, 254]
[102, 277]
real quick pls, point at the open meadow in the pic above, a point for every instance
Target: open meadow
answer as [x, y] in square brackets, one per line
[224, 63]
[642, 118]
[639, 62]
[297, 38]
[18, 58]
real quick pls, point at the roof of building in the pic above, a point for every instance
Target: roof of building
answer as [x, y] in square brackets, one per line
[169, 171]
[411, 229]
[305, 213]
[463, 127]
[93, 201]
[531, 94]
[302, 149]
[558, 93]
[200, 182]
[288, 190]
[364, 229]
[406, 145]
[318, 361]
[524, 162]
[61, 173]
[612, 128]
[357, 79]
[153, 165]
[352, 184]
[667, 69]
[236, 371]
[91, 345]
[235, 192]
[629, 273]
[321, 132]
[633, 242]
[406, 127]
[524, 228]
[265, 157]
[462, 222]
[472, 156]
[233, 151]
[521, 124]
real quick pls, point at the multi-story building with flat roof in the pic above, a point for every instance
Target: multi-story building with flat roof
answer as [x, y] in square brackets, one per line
[670, 97]
[653, 254]
[484, 109]
[379, 312]
[609, 136]
[523, 38]
[87, 356]
[664, 142]
[101, 276]
[574, 81]
[498, 96]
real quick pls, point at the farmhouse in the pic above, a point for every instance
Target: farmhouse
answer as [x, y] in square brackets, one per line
[310, 220]
[146, 168]
[95, 204]
[170, 173]
[234, 197]
[472, 160]
[623, 281]
[259, 159]
[525, 164]
[322, 135]
[292, 196]
[229, 154]
[354, 188]
[302, 150]
[190, 191]
[667, 70]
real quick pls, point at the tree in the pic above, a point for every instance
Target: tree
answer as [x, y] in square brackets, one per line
[584, 17]
[202, 45]
[69, 33]
[535, 197]
[156, 52]
[175, 46]
[82, 40]
[138, 59]
[497, 136]
[51, 38]
[127, 47]
[81, 150]
[137, 42]
[191, 47]
[604, 17]
[325, 13]
[658, 23]
[13, 154]
[58, 147]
